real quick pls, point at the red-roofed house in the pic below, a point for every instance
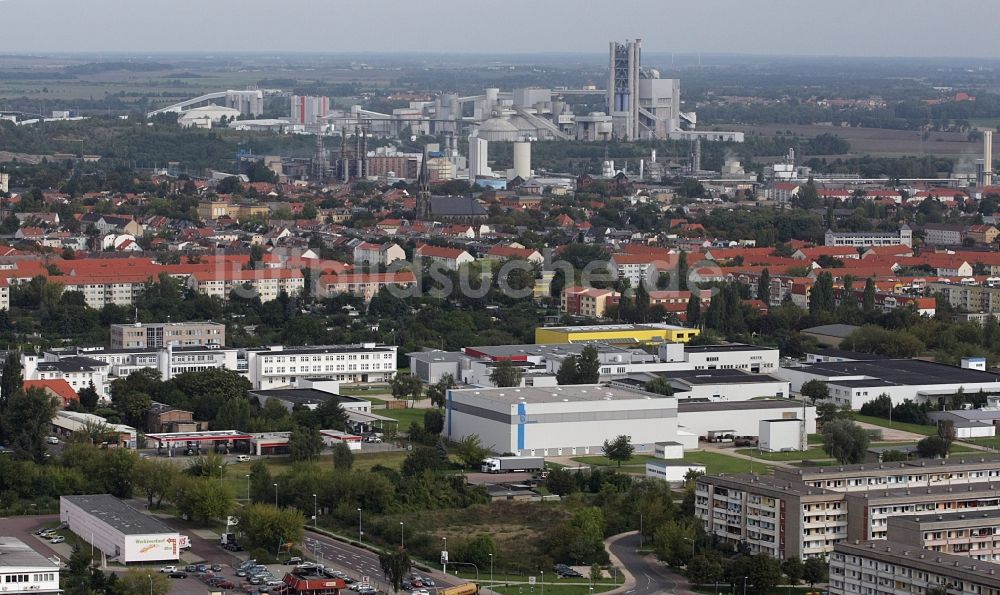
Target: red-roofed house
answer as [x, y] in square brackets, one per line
[514, 253]
[56, 388]
[377, 254]
[366, 284]
[451, 258]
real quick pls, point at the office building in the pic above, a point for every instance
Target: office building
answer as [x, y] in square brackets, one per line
[890, 568]
[121, 532]
[23, 570]
[275, 367]
[867, 239]
[160, 334]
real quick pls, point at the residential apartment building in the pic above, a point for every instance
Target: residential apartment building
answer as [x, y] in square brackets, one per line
[974, 534]
[864, 239]
[906, 474]
[890, 568]
[159, 334]
[974, 298]
[276, 367]
[376, 255]
[943, 234]
[366, 285]
[925, 306]
[590, 302]
[266, 284]
[450, 258]
[771, 516]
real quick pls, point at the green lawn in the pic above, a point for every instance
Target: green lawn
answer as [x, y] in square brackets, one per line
[725, 589]
[815, 439]
[602, 461]
[554, 589]
[716, 462]
[915, 428]
[404, 416]
[236, 473]
[813, 453]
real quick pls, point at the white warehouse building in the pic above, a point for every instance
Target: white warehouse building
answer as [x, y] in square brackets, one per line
[561, 420]
[121, 532]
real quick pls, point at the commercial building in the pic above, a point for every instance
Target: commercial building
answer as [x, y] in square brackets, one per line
[890, 568]
[971, 534]
[771, 516]
[902, 237]
[160, 334]
[67, 423]
[311, 393]
[969, 423]
[854, 383]
[560, 420]
[672, 472]
[275, 366]
[728, 356]
[739, 418]
[23, 570]
[713, 385]
[645, 334]
[121, 532]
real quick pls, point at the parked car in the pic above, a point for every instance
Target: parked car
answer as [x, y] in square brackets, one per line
[169, 569]
[178, 574]
[294, 561]
[52, 440]
[243, 458]
[57, 539]
[202, 568]
[216, 567]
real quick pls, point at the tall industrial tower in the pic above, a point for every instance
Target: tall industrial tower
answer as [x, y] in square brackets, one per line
[623, 88]
[987, 158]
[423, 207]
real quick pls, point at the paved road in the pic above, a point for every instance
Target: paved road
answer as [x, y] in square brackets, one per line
[650, 576]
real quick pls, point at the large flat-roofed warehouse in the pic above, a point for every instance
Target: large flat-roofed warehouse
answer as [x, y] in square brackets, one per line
[714, 385]
[854, 383]
[559, 420]
[120, 531]
[622, 334]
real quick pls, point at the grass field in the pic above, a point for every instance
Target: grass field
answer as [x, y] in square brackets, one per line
[813, 453]
[236, 473]
[915, 428]
[553, 589]
[602, 461]
[404, 416]
[716, 462]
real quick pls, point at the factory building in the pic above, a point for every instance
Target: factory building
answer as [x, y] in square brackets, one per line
[561, 420]
[121, 532]
[642, 334]
[854, 383]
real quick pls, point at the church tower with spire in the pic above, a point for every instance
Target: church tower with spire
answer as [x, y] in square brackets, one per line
[423, 191]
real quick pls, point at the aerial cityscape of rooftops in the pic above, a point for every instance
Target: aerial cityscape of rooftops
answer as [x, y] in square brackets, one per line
[627, 321]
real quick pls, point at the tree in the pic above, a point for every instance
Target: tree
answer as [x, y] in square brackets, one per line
[12, 380]
[235, 414]
[682, 271]
[471, 451]
[477, 550]
[660, 386]
[406, 387]
[343, 458]
[821, 296]
[433, 421]
[88, 397]
[588, 366]
[153, 478]
[764, 573]
[330, 415]
[567, 373]
[137, 580]
[116, 472]
[305, 444]
[694, 311]
[816, 390]
[133, 406]
[505, 374]
[395, 567]
[266, 527]
[793, 569]
[845, 441]
[706, 568]
[25, 422]
[868, 299]
[933, 447]
[764, 287]
[815, 570]
[420, 459]
[202, 499]
[438, 392]
[261, 482]
[642, 302]
[619, 450]
[596, 572]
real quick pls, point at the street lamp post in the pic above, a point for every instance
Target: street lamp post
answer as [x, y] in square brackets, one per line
[220, 473]
[444, 561]
[491, 569]
[275, 495]
[150, 577]
[248, 488]
[360, 532]
[744, 585]
[402, 543]
[692, 545]
[315, 512]
[543, 582]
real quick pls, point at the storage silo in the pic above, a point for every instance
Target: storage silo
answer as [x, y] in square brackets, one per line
[522, 159]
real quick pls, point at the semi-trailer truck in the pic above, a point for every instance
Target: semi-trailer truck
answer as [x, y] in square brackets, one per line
[512, 464]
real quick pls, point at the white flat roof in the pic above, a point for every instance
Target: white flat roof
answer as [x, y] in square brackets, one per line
[555, 394]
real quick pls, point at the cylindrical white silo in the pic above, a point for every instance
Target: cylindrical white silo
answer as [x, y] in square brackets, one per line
[522, 159]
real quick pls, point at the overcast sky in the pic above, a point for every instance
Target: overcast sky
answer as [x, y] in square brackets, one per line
[793, 27]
